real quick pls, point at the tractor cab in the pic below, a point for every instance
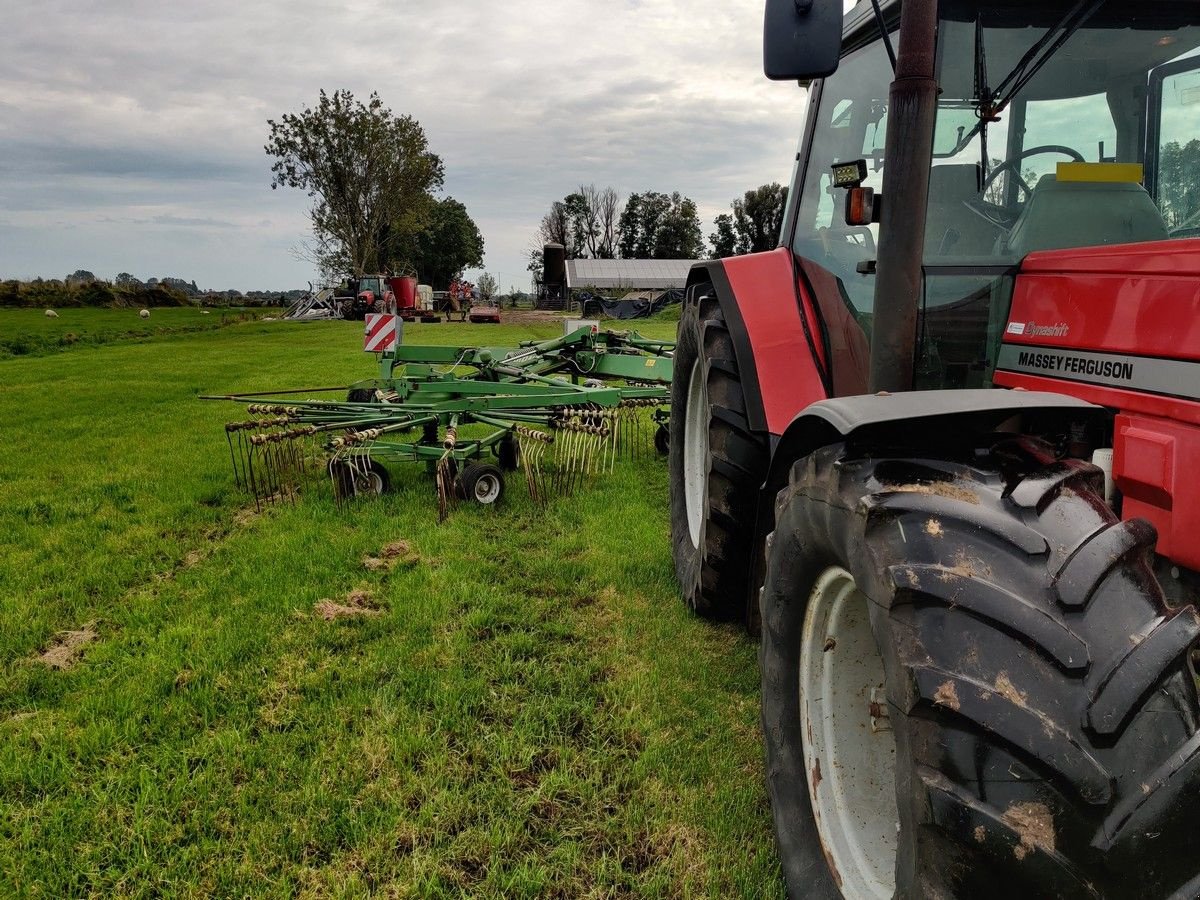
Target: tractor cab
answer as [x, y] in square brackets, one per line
[1059, 125]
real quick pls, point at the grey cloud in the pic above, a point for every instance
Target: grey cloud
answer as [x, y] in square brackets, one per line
[157, 117]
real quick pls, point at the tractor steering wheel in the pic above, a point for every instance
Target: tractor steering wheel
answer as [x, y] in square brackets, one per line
[1012, 165]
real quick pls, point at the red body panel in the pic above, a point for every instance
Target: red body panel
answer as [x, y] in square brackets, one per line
[765, 288]
[1154, 461]
[1133, 310]
[1136, 298]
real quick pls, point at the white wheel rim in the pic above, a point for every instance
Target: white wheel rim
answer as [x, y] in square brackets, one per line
[849, 750]
[370, 482]
[487, 488]
[695, 453]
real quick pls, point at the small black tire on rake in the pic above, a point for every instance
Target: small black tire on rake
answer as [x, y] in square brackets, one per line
[481, 483]
[662, 440]
[508, 453]
[360, 395]
[367, 478]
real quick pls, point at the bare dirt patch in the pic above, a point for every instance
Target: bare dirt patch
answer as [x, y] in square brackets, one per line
[356, 603]
[245, 516]
[68, 647]
[397, 553]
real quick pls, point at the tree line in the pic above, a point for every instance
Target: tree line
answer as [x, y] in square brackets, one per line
[594, 223]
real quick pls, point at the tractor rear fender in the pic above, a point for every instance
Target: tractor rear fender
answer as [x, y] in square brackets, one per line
[776, 334]
[915, 420]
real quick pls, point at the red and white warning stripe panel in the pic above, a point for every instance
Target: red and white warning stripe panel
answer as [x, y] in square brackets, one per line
[380, 333]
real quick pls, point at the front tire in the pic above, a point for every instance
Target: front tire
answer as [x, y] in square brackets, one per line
[717, 465]
[1043, 714]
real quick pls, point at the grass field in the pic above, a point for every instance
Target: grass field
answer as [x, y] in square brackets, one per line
[27, 332]
[530, 713]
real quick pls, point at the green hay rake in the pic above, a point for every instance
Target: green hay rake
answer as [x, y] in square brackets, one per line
[560, 412]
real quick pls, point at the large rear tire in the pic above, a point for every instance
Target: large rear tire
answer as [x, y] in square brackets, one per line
[717, 465]
[1043, 714]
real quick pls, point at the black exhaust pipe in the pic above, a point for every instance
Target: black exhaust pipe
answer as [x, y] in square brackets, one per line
[912, 110]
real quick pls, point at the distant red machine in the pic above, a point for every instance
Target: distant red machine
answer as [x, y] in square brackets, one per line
[359, 296]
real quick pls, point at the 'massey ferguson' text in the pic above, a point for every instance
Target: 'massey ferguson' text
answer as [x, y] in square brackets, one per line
[1074, 365]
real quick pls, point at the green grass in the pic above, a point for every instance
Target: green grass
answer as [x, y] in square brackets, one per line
[532, 713]
[29, 332]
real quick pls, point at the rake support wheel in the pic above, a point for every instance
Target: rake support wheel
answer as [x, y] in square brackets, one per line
[717, 465]
[1039, 731]
[365, 478]
[481, 483]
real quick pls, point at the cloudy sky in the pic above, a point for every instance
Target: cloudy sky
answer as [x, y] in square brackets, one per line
[131, 131]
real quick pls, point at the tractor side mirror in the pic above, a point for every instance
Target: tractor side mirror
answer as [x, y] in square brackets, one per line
[802, 39]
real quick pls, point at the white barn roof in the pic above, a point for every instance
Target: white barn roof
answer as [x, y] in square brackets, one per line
[632, 274]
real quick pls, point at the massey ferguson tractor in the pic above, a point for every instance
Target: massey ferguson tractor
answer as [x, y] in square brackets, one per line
[935, 449]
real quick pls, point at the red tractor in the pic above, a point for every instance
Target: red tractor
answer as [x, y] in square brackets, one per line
[367, 294]
[934, 449]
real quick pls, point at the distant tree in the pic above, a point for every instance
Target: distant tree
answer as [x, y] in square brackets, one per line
[660, 226]
[584, 222]
[126, 280]
[449, 243]
[536, 262]
[188, 287]
[488, 286]
[1179, 184]
[80, 276]
[757, 217]
[558, 228]
[606, 203]
[754, 225]
[724, 241]
[370, 175]
[639, 223]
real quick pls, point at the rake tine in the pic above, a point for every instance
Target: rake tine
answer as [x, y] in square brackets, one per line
[271, 472]
[289, 450]
[254, 477]
[237, 477]
[273, 452]
[615, 441]
[244, 460]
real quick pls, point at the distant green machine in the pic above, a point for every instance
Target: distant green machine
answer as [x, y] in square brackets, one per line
[561, 411]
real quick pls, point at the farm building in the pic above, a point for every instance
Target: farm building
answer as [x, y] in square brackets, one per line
[620, 275]
[566, 277]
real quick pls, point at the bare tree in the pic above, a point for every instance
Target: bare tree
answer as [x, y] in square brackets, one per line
[556, 227]
[585, 222]
[607, 204]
